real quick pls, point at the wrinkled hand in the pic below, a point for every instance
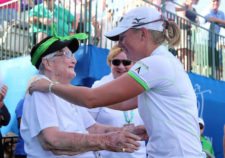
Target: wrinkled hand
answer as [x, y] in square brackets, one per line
[3, 92]
[39, 85]
[137, 130]
[121, 141]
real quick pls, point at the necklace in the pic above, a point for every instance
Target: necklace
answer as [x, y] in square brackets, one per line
[128, 116]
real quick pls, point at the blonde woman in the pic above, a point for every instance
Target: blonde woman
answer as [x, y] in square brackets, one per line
[119, 64]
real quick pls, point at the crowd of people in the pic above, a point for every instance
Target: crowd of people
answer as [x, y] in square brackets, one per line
[56, 118]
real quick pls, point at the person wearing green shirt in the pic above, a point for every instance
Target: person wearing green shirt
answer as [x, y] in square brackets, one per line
[206, 143]
[49, 18]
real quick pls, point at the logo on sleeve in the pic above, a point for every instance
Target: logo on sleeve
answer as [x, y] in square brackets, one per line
[138, 70]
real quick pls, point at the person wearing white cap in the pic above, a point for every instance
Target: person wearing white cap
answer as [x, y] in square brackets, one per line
[166, 99]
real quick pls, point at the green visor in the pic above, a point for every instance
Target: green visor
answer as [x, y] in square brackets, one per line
[52, 44]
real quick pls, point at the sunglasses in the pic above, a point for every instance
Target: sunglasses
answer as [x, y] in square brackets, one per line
[117, 62]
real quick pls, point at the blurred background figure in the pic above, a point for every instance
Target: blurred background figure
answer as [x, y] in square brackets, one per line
[206, 143]
[4, 115]
[119, 64]
[50, 18]
[188, 11]
[8, 12]
[19, 150]
[216, 18]
[188, 16]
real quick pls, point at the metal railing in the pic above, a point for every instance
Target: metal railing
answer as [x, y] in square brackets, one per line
[9, 143]
[198, 50]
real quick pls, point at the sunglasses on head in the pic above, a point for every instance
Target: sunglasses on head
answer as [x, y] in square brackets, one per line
[117, 62]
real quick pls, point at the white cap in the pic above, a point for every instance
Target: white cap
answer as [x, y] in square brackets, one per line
[141, 17]
[201, 121]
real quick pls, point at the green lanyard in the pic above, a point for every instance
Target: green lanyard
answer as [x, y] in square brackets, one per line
[128, 116]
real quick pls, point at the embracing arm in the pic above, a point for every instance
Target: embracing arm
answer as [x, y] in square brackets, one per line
[137, 130]
[125, 105]
[100, 128]
[70, 143]
[113, 92]
[75, 143]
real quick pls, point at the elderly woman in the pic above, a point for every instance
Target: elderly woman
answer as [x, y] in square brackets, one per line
[52, 126]
[166, 99]
[119, 64]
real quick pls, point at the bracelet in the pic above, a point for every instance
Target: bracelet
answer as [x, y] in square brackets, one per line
[51, 85]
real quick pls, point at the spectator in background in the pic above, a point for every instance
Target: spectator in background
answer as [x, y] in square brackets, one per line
[19, 149]
[188, 11]
[216, 18]
[28, 4]
[119, 64]
[206, 143]
[4, 116]
[171, 8]
[8, 11]
[186, 49]
[88, 21]
[48, 19]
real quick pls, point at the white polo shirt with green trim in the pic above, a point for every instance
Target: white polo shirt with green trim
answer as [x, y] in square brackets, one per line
[168, 106]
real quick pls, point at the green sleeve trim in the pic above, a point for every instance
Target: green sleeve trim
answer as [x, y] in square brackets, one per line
[140, 81]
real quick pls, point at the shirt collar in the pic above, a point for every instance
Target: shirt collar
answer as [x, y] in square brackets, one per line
[159, 50]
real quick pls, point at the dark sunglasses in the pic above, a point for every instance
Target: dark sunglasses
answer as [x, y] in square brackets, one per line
[117, 62]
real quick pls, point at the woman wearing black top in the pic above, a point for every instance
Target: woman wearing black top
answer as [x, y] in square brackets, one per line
[4, 116]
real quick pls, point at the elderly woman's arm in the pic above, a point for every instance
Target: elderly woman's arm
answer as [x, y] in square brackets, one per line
[75, 143]
[137, 130]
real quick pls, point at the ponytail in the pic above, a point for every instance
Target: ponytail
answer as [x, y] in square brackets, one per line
[171, 33]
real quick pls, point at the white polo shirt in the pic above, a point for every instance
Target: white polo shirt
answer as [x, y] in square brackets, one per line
[43, 110]
[117, 118]
[168, 106]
